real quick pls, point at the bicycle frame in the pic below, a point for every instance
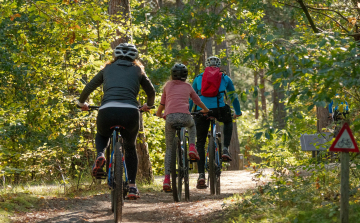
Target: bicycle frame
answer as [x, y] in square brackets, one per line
[182, 136]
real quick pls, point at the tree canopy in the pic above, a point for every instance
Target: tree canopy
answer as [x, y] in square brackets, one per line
[51, 49]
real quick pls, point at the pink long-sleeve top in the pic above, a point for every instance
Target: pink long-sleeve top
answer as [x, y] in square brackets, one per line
[176, 97]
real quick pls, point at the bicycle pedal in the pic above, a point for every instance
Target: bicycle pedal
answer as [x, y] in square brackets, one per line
[168, 191]
[100, 175]
[132, 198]
[202, 186]
[225, 160]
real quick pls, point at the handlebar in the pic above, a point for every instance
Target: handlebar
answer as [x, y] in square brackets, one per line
[201, 113]
[90, 107]
[207, 114]
[97, 107]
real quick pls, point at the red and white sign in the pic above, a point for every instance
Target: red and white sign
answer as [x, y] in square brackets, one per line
[344, 141]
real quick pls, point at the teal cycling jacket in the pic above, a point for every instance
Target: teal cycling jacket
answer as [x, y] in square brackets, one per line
[211, 102]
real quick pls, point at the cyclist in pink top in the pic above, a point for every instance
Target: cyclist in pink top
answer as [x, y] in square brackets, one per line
[175, 101]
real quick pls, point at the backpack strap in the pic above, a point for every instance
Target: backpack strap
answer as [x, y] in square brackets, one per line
[219, 94]
[199, 91]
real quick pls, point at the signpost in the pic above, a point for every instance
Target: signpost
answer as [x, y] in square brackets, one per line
[344, 143]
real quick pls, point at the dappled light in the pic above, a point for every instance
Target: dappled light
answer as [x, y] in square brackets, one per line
[290, 75]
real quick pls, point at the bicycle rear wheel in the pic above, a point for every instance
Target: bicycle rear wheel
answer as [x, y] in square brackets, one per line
[185, 144]
[218, 166]
[212, 168]
[118, 180]
[176, 170]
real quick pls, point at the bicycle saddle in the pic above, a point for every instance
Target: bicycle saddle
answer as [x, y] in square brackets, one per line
[177, 126]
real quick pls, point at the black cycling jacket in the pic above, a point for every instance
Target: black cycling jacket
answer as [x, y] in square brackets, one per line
[121, 82]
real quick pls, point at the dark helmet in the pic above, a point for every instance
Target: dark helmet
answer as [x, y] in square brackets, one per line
[179, 72]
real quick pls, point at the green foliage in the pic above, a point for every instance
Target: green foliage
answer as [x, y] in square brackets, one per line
[308, 193]
[51, 49]
[155, 133]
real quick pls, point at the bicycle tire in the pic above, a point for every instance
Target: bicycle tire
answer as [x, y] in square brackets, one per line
[118, 179]
[186, 166]
[176, 170]
[218, 167]
[112, 195]
[212, 169]
[111, 171]
[217, 187]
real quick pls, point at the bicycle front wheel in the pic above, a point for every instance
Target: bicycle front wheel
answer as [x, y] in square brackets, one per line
[212, 163]
[176, 170]
[118, 180]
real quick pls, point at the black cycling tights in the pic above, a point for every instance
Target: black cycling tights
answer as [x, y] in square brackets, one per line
[127, 118]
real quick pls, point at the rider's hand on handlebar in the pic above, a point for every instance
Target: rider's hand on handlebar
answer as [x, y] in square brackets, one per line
[204, 110]
[235, 115]
[84, 106]
[145, 108]
[159, 114]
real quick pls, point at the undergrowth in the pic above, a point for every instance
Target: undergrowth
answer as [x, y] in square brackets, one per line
[302, 194]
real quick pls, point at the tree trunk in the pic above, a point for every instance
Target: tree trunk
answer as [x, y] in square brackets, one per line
[322, 122]
[179, 4]
[208, 49]
[198, 45]
[262, 93]
[322, 118]
[257, 97]
[120, 8]
[279, 112]
[144, 173]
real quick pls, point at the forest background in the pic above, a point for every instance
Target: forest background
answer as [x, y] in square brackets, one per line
[288, 60]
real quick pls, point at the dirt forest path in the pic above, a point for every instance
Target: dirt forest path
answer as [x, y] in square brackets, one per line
[151, 207]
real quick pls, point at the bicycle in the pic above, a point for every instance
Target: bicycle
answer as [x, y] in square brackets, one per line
[116, 171]
[213, 161]
[180, 164]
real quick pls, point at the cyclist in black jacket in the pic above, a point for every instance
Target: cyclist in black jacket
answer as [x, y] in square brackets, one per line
[121, 81]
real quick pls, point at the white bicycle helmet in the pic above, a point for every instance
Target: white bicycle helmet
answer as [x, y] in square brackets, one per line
[212, 61]
[126, 50]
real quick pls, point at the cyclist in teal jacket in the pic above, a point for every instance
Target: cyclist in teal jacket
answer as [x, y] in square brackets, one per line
[220, 111]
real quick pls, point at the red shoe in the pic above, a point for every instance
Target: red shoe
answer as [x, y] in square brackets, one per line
[193, 153]
[97, 169]
[133, 193]
[167, 184]
[201, 182]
